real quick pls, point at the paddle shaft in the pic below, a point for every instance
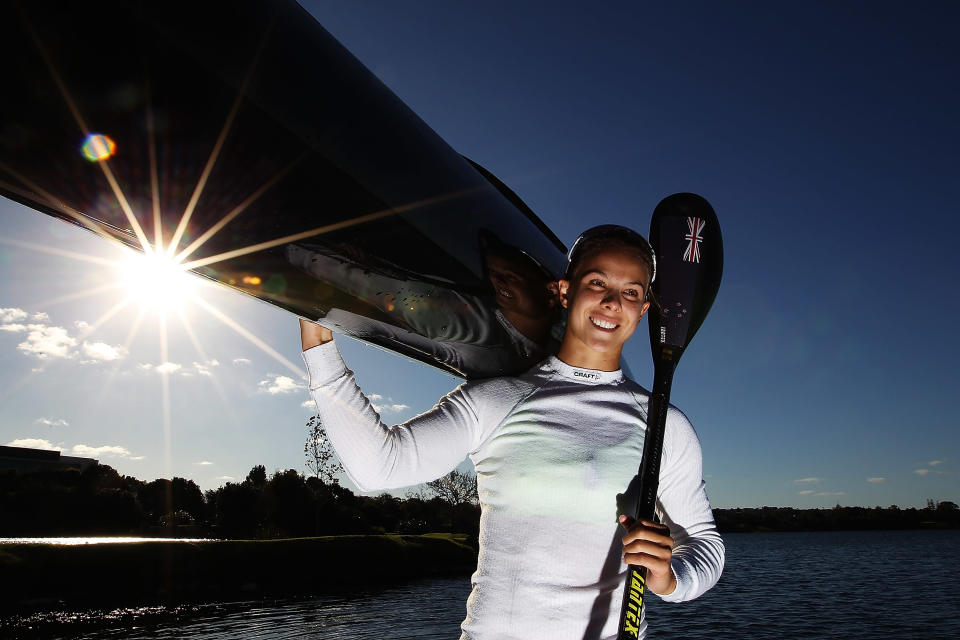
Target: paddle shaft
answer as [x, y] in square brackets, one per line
[631, 610]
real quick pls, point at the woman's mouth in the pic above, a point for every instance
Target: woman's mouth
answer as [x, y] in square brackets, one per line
[600, 323]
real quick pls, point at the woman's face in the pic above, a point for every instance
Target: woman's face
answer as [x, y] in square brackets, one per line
[605, 302]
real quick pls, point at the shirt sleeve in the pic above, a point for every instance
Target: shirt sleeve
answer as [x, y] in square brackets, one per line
[698, 552]
[375, 455]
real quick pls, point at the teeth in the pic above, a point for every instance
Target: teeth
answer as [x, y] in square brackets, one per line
[602, 324]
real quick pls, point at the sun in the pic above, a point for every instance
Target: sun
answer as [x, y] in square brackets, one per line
[156, 281]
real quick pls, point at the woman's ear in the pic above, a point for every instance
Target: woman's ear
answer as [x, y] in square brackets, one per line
[553, 293]
[563, 286]
[643, 310]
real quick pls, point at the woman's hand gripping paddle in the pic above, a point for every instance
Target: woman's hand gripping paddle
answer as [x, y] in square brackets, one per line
[685, 237]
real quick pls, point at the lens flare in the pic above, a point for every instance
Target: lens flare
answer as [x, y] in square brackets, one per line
[98, 147]
[156, 281]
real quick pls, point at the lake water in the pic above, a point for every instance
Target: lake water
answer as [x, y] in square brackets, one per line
[830, 585]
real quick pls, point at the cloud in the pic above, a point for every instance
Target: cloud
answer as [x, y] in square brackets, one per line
[384, 407]
[167, 367]
[921, 472]
[806, 492]
[280, 384]
[934, 463]
[81, 324]
[34, 443]
[203, 368]
[203, 463]
[108, 451]
[103, 352]
[241, 361]
[13, 328]
[309, 404]
[225, 478]
[808, 480]
[45, 342]
[831, 493]
[876, 480]
[12, 314]
[59, 422]
[40, 317]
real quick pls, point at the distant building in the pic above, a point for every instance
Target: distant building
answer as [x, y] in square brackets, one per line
[24, 460]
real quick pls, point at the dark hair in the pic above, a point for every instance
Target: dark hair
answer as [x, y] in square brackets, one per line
[610, 236]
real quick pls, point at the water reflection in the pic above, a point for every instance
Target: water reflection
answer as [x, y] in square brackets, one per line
[422, 610]
[96, 540]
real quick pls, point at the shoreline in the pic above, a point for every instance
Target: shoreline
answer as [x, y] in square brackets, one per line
[45, 576]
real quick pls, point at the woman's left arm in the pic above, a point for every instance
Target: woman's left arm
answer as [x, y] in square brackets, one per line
[697, 555]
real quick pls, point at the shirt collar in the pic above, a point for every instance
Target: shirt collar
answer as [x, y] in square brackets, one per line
[586, 376]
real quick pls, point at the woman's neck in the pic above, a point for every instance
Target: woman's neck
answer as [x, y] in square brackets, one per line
[580, 355]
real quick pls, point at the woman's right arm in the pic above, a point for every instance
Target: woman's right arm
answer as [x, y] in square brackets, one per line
[375, 455]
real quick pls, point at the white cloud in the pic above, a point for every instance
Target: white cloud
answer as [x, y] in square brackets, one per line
[388, 406]
[101, 351]
[136, 458]
[59, 422]
[384, 408]
[167, 367]
[831, 493]
[309, 404]
[203, 368]
[81, 324]
[12, 314]
[145, 366]
[13, 328]
[241, 361]
[109, 451]
[876, 480]
[34, 443]
[934, 463]
[40, 317]
[203, 463]
[806, 492]
[921, 472]
[280, 384]
[225, 478]
[43, 342]
[808, 480]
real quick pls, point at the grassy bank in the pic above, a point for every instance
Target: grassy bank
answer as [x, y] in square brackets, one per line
[40, 575]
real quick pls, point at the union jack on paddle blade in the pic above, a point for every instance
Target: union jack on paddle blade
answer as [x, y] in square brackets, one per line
[694, 238]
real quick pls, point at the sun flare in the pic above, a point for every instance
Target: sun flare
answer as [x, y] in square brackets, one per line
[156, 281]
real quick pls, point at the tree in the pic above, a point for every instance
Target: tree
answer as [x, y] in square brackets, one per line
[257, 476]
[322, 462]
[456, 488]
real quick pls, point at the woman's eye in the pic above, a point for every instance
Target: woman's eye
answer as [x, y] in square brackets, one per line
[633, 293]
[596, 283]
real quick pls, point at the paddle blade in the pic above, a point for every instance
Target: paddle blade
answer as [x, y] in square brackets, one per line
[685, 235]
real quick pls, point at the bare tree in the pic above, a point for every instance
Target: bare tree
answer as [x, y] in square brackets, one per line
[456, 488]
[322, 462]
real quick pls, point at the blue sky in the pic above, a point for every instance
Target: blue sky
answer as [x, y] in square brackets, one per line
[824, 134]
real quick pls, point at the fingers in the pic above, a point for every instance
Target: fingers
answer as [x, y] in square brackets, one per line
[648, 544]
[312, 334]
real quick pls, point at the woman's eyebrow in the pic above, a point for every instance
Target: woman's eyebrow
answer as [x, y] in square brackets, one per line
[596, 271]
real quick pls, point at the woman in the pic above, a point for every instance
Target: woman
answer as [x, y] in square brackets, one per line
[553, 449]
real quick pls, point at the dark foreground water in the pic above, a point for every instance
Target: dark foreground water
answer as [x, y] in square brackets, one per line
[831, 585]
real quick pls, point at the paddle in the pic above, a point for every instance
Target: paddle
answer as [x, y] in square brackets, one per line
[685, 236]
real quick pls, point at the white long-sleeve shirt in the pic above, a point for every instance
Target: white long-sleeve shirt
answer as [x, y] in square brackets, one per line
[552, 448]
